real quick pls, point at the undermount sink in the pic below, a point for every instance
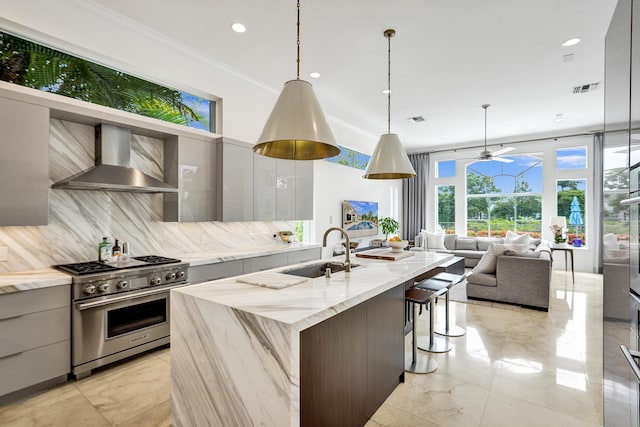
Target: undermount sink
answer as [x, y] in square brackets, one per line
[317, 270]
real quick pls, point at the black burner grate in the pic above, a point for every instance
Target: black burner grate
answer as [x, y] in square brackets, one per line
[156, 260]
[88, 267]
[91, 267]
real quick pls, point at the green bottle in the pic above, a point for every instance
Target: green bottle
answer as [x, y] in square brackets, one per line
[104, 250]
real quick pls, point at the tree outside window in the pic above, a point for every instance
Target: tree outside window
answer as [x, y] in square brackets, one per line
[29, 64]
[504, 196]
[447, 208]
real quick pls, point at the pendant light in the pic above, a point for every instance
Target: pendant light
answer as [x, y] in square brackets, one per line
[297, 128]
[389, 160]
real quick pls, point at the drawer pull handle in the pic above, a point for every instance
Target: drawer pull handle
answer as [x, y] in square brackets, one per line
[11, 355]
[11, 317]
[631, 357]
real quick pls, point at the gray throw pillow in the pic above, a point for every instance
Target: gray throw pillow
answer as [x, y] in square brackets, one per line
[467, 244]
[484, 242]
[487, 263]
[528, 254]
[450, 241]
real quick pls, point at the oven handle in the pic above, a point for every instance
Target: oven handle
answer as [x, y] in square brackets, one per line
[631, 356]
[630, 201]
[124, 297]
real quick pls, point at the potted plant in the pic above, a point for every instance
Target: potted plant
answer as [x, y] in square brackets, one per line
[388, 226]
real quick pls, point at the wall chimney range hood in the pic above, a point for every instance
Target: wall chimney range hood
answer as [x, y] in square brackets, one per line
[113, 171]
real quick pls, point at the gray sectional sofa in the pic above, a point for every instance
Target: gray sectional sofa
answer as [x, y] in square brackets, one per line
[521, 276]
[471, 248]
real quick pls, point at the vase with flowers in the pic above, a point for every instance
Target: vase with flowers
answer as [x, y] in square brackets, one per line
[557, 233]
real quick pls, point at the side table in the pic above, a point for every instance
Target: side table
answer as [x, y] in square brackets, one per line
[567, 249]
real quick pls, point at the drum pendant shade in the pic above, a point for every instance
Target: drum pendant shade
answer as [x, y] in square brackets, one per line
[297, 128]
[389, 160]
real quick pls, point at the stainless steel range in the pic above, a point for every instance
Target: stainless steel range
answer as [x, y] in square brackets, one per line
[120, 309]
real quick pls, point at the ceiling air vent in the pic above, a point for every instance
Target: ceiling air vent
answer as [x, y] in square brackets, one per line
[586, 88]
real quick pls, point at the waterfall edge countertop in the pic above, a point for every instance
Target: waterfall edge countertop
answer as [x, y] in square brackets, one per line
[313, 300]
[236, 347]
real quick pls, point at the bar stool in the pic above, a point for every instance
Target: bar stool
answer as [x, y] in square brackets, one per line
[414, 362]
[444, 281]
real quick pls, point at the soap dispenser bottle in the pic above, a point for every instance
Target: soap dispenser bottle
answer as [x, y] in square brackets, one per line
[116, 251]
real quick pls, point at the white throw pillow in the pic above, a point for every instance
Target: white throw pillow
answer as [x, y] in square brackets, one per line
[489, 260]
[517, 239]
[434, 240]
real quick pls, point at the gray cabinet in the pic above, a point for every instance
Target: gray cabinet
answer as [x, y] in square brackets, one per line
[35, 338]
[206, 272]
[220, 270]
[283, 189]
[226, 181]
[24, 164]
[234, 181]
[303, 255]
[267, 262]
[304, 190]
[189, 164]
[265, 178]
[215, 180]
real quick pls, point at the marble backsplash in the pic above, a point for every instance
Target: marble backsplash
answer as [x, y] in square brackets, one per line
[79, 219]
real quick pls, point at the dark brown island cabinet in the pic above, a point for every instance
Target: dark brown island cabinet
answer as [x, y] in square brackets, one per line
[351, 362]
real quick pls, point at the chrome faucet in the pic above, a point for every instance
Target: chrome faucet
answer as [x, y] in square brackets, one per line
[347, 260]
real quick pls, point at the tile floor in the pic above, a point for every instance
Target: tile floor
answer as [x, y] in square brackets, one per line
[514, 367]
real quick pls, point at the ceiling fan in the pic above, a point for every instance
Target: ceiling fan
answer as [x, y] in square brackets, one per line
[487, 155]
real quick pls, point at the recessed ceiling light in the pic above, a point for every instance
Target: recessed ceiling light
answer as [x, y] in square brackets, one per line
[314, 75]
[571, 42]
[238, 27]
[386, 91]
[443, 136]
[559, 117]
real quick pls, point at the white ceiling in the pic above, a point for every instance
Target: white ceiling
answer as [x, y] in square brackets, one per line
[448, 58]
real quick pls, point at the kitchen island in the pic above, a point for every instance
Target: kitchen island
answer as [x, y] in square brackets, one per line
[288, 350]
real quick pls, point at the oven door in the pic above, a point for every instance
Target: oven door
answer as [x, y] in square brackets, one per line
[632, 356]
[105, 326]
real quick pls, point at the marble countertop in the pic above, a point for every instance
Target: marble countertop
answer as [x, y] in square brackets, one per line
[35, 279]
[229, 254]
[313, 300]
[46, 277]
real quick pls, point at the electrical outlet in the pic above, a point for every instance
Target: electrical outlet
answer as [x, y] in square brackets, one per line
[4, 253]
[330, 219]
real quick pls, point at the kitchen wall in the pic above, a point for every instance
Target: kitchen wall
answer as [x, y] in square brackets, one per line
[79, 219]
[334, 183]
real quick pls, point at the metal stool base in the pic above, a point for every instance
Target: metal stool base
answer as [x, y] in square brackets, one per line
[423, 364]
[438, 345]
[453, 331]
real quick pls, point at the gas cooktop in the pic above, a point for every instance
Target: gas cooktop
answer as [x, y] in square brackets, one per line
[92, 267]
